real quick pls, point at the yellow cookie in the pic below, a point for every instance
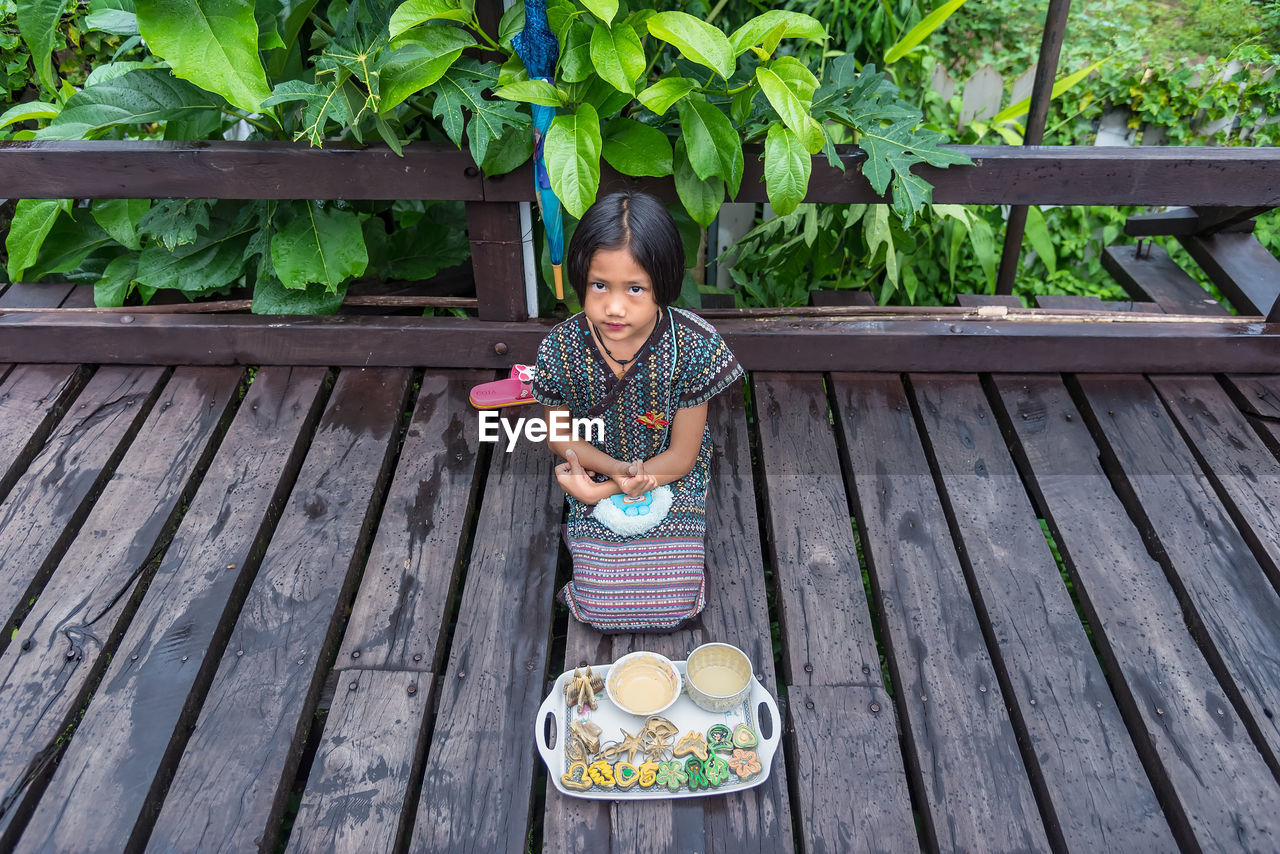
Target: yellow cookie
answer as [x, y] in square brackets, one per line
[625, 775]
[576, 777]
[601, 773]
[692, 743]
[648, 774]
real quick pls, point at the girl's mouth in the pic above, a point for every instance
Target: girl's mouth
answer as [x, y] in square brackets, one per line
[615, 327]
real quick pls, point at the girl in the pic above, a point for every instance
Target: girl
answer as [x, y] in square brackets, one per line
[647, 370]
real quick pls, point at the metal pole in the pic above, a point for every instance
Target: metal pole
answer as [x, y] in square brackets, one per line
[1055, 25]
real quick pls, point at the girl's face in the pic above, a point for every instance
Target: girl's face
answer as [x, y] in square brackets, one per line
[619, 300]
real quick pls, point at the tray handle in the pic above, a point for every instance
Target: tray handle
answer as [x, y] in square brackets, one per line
[768, 726]
[546, 728]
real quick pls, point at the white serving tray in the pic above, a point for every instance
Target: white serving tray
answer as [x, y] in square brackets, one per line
[551, 730]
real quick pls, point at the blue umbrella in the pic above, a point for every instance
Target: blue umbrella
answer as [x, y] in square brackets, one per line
[538, 49]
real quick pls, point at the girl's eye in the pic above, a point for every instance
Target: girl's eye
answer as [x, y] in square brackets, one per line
[597, 286]
[637, 290]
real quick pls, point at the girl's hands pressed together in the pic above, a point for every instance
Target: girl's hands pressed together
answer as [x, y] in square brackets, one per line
[635, 481]
[577, 481]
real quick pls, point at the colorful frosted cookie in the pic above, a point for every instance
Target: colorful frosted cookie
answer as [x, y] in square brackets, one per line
[625, 775]
[697, 772]
[601, 773]
[717, 770]
[744, 763]
[692, 743]
[648, 774]
[576, 777]
[719, 738]
[671, 775]
[744, 736]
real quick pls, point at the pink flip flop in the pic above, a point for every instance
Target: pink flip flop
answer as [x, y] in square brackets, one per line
[513, 391]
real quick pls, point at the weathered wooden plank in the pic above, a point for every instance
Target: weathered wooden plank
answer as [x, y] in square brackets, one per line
[497, 663]
[356, 795]
[759, 819]
[1230, 603]
[962, 749]
[827, 634]
[1259, 397]
[33, 295]
[1243, 269]
[32, 400]
[497, 259]
[1245, 474]
[1155, 276]
[81, 296]
[1214, 786]
[58, 650]
[1007, 300]
[409, 579]
[234, 777]
[1097, 791]
[44, 509]
[973, 344]
[146, 699]
[1185, 220]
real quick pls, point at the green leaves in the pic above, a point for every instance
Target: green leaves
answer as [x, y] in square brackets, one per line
[618, 56]
[212, 43]
[701, 197]
[605, 10]
[461, 88]
[713, 143]
[789, 86]
[572, 150]
[787, 166]
[38, 24]
[316, 244]
[636, 149]
[120, 217]
[32, 221]
[144, 95]
[661, 95]
[321, 104]
[765, 31]
[696, 39]
[418, 59]
[414, 12]
[531, 92]
[922, 30]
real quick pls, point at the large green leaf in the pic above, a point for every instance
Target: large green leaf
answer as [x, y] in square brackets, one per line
[318, 244]
[175, 222]
[71, 240]
[141, 96]
[117, 17]
[508, 151]
[113, 286]
[701, 197]
[618, 56]
[418, 59]
[575, 53]
[602, 9]
[270, 296]
[212, 43]
[1038, 237]
[572, 151]
[756, 31]
[531, 92]
[27, 111]
[120, 218]
[414, 12]
[213, 261]
[696, 39]
[636, 149]
[417, 252]
[787, 165]
[714, 145]
[789, 86]
[32, 221]
[661, 95]
[321, 104]
[922, 30]
[461, 89]
[38, 24]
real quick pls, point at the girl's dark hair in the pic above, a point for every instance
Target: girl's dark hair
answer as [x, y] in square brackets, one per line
[639, 223]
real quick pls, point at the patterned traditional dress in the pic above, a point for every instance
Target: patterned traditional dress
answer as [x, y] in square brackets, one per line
[655, 580]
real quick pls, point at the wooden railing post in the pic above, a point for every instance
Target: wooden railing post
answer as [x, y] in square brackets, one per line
[497, 259]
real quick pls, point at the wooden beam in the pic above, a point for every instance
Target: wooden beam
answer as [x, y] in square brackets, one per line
[1147, 272]
[1001, 174]
[1185, 220]
[1115, 341]
[1245, 270]
[497, 259]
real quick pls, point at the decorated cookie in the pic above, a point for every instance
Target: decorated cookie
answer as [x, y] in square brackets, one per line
[576, 777]
[648, 774]
[601, 773]
[719, 738]
[630, 745]
[697, 772]
[717, 770]
[671, 775]
[658, 725]
[692, 743]
[744, 763]
[589, 733]
[744, 736]
[581, 688]
[656, 747]
[626, 775]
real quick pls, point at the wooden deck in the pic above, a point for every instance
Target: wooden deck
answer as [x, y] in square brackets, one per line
[304, 609]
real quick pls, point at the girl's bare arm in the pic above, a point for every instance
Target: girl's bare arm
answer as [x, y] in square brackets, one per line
[591, 457]
[682, 452]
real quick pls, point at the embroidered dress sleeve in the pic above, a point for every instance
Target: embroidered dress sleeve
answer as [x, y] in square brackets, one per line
[708, 368]
[549, 371]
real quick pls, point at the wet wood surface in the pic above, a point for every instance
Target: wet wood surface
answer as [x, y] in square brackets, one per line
[191, 535]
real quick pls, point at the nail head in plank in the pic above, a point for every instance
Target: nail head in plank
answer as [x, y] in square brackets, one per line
[1217, 577]
[1153, 275]
[142, 700]
[33, 398]
[847, 770]
[1214, 785]
[822, 605]
[963, 750]
[44, 509]
[409, 578]
[58, 650]
[497, 665]
[1100, 795]
[233, 780]
[356, 795]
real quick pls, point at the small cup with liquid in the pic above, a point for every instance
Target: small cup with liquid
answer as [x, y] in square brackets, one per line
[643, 683]
[718, 676]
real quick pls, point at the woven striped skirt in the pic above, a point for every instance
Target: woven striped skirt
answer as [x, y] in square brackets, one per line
[639, 585]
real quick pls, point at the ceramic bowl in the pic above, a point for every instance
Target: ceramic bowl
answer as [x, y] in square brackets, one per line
[648, 680]
[718, 677]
